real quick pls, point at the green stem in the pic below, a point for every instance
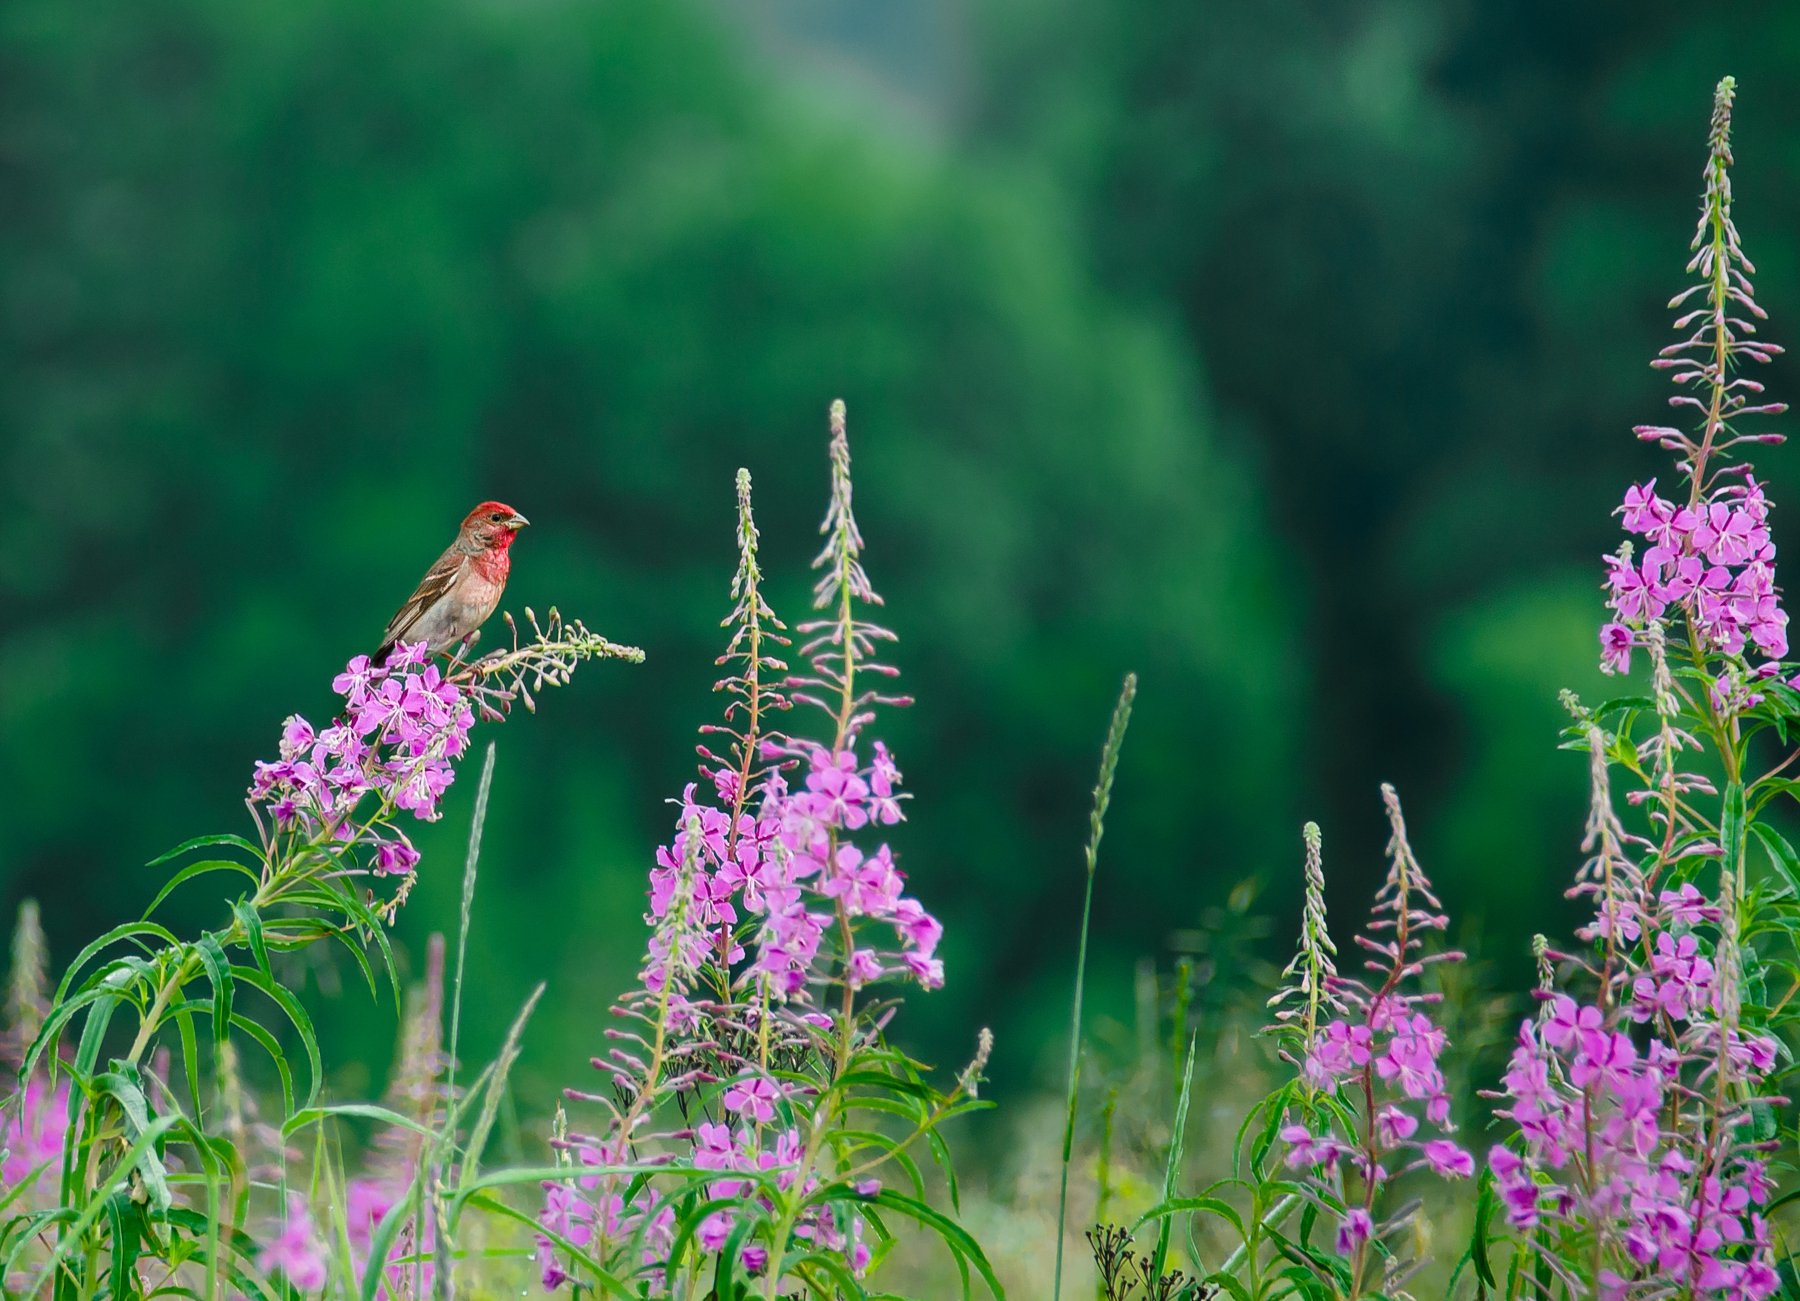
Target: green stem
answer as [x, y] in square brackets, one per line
[1109, 761]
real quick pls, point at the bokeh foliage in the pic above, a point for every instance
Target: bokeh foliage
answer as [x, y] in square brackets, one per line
[1423, 250]
[1282, 352]
[283, 290]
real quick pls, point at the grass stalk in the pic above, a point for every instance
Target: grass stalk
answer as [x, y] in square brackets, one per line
[1109, 762]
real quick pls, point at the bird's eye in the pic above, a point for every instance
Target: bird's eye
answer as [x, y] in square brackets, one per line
[496, 516]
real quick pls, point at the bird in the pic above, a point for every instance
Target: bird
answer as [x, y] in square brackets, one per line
[463, 588]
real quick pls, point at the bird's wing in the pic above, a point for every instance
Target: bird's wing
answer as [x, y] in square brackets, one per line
[438, 581]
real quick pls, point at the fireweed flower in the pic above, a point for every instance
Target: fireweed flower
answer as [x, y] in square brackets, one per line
[297, 1252]
[35, 1126]
[1717, 568]
[1309, 981]
[1635, 1098]
[1635, 1105]
[402, 727]
[772, 906]
[35, 1123]
[336, 792]
[1708, 559]
[1621, 1139]
[1379, 1051]
[419, 1091]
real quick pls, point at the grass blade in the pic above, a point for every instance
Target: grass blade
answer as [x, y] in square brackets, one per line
[468, 904]
[1109, 762]
[1172, 1173]
[496, 1089]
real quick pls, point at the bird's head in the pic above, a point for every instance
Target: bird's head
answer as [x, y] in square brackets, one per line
[492, 526]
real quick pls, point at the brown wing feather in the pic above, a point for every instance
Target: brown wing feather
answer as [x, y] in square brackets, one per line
[431, 590]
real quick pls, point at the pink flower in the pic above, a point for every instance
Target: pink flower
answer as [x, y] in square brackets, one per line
[297, 1252]
[1341, 1049]
[1306, 1151]
[753, 1096]
[1567, 1020]
[398, 737]
[1449, 1160]
[36, 1126]
[1615, 648]
[1687, 906]
[1395, 1126]
[1355, 1229]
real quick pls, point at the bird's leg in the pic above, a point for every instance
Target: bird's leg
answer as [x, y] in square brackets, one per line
[463, 647]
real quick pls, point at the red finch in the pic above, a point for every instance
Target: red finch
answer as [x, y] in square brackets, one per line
[461, 590]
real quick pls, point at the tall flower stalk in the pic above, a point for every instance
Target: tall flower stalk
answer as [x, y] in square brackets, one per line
[1377, 1057]
[730, 1146]
[329, 812]
[1641, 1092]
[1308, 982]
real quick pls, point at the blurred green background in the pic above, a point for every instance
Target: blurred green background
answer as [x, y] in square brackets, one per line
[1283, 352]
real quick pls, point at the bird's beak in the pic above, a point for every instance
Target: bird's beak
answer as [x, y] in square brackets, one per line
[517, 522]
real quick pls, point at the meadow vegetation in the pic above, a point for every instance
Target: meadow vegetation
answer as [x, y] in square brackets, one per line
[1378, 1121]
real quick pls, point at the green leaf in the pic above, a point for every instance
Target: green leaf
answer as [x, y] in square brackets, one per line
[1164, 1210]
[844, 1283]
[127, 931]
[252, 922]
[496, 1089]
[272, 1046]
[236, 842]
[1159, 1260]
[1731, 828]
[290, 1006]
[218, 971]
[136, 1107]
[355, 906]
[1769, 788]
[123, 1220]
[1273, 1115]
[1485, 1205]
[192, 870]
[1780, 852]
[940, 1153]
[359, 1110]
[190, 1063]
[60, 1015]
[953, 1235]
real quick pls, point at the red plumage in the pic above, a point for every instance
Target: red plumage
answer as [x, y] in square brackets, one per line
[463, 588]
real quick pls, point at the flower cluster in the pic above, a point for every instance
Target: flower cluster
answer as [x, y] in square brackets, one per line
[1709, 558]
[35, 1127]
[1714, 562]
[297, 1252]
[34, 1124]
[1615, 1137]
[767, 921]
[402, 728]
[1630, 1128]
[789, 868]
[1383, 1042]
[748, 1167]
